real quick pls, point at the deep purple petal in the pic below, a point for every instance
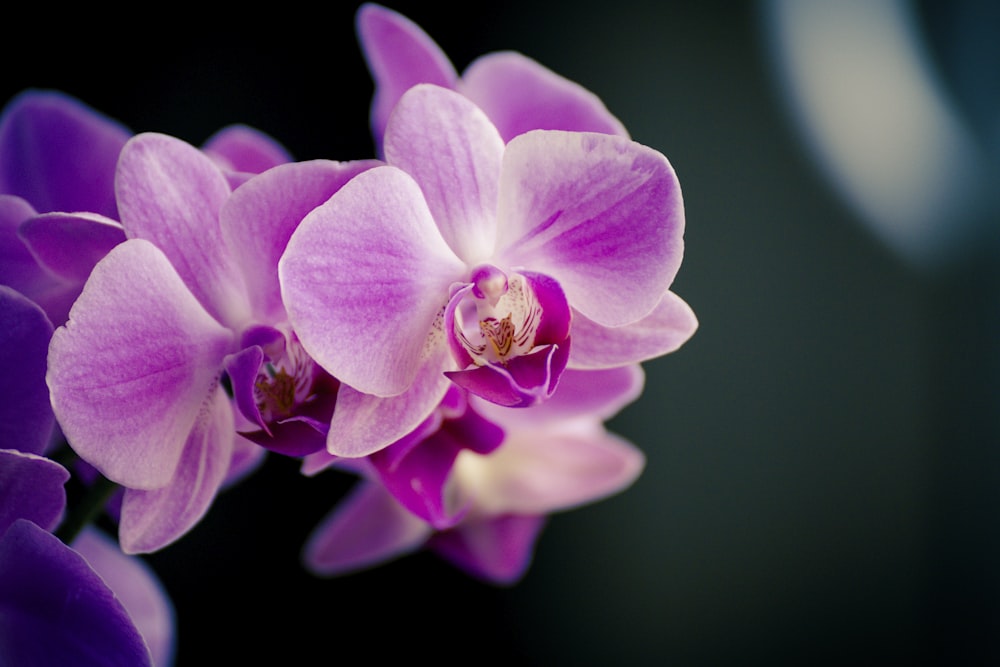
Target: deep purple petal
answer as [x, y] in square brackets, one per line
[242, 148]
[31, 487]
[70, 244]
[664, 330]
[523, 381]
[153, 519]
[399, 55]
[55, 610]
[59, 154]
[170, 193]
[366, 529]
[242, 369]
[26, 419]
[495, 549]
[599, 213]
[451, 149]
[519, 94]
[365, 279]
[134, 366]
[261, 215]
[139, 590]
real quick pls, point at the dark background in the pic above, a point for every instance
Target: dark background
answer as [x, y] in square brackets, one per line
[822, 455]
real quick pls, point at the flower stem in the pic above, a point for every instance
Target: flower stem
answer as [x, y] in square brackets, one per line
[90, 504]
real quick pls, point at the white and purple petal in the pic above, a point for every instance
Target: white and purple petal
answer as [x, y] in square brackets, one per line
[134, 367]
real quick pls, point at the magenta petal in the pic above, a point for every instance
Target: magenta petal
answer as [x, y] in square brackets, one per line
[59, 154]
[132, 369]
[242, 369]
[26, 419]
[599, 213]
[522, 382]
[153, 519]
[137, 587]
[31, 487]
[261, 215]
[368, 528]
[399, 55]
[365, 279]
[452, 150]
[664, 330]
[242, 148]
[171, 193]
[55, 610]
[496, 549]
[70, 244]
[519, 94]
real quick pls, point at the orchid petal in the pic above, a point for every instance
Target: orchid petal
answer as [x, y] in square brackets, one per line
[452, 150]
[399, 55]
[242, 369]
[137, 587]
[600, 214]
[367, 528]
[31, 487]
[519, 94]
[131, 370]
[522, 382]
[70, 244]
[364, 423]
[170, 193]
[153, 519]
[365, 279]
[247, 458]
[664, 330]
[496, 549]
[55, 610]
[26, 419]
[59, 154]
[262, 214]
[242, 148]
[575, 464]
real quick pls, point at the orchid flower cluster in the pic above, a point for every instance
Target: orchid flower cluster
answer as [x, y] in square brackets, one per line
[451, 321]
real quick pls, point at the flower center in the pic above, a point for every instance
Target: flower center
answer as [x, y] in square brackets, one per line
[500, 320]
[284, 381]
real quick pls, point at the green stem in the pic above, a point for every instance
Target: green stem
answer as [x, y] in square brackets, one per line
[86, 510]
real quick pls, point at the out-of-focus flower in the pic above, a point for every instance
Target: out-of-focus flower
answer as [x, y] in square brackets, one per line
[468, 259]
[516, 93]
[136, 373]
[26, 420]
[553, 457]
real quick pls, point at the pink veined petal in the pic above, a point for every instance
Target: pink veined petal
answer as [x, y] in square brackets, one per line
[364, 423]
[137, 587]
[399, 55]
[153, 519]
[242, 148]
[132, 369]
[601, 214]
[365, 279]
[171, 193]
[669, 326]
[31, 487]
[539, 472]
[452, 150]
[260, 216]
[70, 244]
[496, 549]
[519, 94]
[368, 528]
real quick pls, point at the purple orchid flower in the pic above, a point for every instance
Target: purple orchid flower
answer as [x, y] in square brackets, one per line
[553, 458]
[58, 214]
[26, 419]
[136, 374]
[86, 605]
[516, 93]
[469, 260]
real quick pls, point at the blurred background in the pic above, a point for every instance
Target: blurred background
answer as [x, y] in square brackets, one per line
[822, 457]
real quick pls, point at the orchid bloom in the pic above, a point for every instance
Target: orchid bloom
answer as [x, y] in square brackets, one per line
[469, 260]
[136, 374]
[58, 214]
[552, 458]
[516, 93]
